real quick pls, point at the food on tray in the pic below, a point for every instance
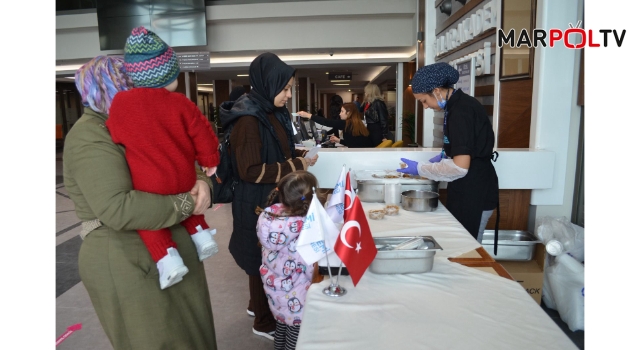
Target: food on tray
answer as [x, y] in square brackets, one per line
[391, 209]
[376, 214]
[391, 176]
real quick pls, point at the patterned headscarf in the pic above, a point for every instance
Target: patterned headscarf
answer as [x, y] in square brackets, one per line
[99, 80]
[149, 61]
[432, 76]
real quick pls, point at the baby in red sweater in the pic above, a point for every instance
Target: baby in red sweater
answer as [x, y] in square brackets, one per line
[164, 134]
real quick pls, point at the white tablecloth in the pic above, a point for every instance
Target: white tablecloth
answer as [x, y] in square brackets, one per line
[450, 307]
[440, 224]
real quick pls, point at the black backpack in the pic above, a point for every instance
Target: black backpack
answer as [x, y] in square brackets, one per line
[224, 180]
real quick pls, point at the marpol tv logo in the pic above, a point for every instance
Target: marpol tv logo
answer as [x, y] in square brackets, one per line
[580, 38]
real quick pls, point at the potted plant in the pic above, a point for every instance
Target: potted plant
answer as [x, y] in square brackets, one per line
[409, 129]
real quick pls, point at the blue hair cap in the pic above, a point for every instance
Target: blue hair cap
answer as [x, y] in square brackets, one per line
[435, 75]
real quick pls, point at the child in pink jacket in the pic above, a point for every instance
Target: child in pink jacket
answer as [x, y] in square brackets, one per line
[285, 275]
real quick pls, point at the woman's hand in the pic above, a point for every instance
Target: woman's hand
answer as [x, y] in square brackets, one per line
[304, 114]
[313, 160]
[334, 139]
[201, 196]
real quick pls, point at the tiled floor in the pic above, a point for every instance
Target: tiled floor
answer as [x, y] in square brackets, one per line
[232, 324]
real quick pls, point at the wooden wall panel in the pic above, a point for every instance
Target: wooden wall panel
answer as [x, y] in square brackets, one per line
[312, 103]
[303, 104]
[514, 209]
[515, 113]
[408, 101]
[221, 89]
[421, 29]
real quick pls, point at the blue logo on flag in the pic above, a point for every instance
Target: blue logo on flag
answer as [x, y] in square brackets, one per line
[319, 247]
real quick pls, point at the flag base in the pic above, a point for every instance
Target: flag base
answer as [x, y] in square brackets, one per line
[334, 290]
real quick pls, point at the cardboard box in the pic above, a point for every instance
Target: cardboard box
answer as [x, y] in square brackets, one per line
[530, 274]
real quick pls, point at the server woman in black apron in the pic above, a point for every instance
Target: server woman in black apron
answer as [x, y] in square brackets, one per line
[465, 160]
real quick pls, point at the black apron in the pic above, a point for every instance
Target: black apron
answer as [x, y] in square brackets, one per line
[476, 192]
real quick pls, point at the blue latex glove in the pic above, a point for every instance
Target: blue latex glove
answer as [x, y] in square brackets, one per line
[411, 169]
[436, 159]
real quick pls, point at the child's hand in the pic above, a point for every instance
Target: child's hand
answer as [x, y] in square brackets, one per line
[210, 171]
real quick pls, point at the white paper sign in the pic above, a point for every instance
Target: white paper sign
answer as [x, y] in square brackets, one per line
[312, 152]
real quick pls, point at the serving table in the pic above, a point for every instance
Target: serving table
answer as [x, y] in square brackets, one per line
[451, 307]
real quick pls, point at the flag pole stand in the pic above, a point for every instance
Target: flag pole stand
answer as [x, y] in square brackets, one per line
[334, 289]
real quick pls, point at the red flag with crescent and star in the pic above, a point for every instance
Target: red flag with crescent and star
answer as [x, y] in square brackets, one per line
[355, 245]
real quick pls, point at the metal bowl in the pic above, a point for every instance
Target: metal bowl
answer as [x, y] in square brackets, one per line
[416, 200]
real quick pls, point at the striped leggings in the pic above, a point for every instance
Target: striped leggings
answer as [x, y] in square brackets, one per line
[286, 336]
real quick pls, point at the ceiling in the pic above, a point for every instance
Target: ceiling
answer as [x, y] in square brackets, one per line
[361, 75]
[312, 64]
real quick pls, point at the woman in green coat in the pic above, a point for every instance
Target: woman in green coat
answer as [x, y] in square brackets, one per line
[115, 267]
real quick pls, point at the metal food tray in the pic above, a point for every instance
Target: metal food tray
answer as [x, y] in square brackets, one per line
[371, 189]
[377, 177]
[418, 260]
[513, 245]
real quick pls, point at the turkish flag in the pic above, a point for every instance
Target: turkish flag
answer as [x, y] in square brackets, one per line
[349, 194]
[355, 245]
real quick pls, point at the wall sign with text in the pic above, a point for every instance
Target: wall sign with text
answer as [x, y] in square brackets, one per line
[467, 71]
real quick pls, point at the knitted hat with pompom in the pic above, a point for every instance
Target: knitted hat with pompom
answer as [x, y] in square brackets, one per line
[149, 61]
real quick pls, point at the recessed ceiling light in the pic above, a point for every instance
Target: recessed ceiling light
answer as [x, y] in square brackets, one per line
[342, 84]
[326, 73]
[243, 75]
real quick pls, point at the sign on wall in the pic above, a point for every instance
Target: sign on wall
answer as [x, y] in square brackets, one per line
[339, 76]
[191, 61]
[467, 71]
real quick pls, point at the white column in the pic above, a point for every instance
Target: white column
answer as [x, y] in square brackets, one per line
[399, 99]
[554, 108]
[429, 58]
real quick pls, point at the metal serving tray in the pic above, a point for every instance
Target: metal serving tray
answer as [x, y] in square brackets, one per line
[417, 260]
[513, 245]
[370, 184]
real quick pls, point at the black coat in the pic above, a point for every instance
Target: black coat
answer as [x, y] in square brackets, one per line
[377, 117]
[243, 244]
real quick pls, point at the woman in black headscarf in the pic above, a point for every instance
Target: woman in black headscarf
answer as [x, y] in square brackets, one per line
[263, 151]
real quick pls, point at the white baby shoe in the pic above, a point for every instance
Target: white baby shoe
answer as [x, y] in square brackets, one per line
[205, 245]
[171, 268]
